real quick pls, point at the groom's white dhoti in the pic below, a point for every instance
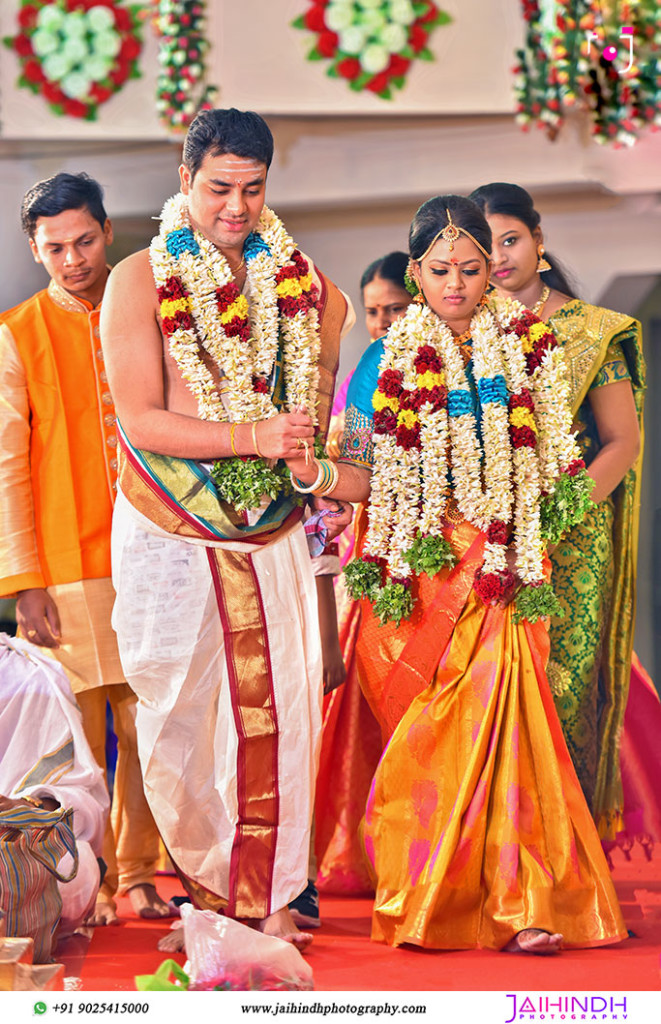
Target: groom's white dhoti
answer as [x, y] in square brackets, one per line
[222, 648]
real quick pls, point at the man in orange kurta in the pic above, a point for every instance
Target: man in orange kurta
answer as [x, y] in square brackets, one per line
[58, 468]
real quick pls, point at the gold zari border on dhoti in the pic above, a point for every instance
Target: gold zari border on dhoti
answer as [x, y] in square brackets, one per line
[253, 703]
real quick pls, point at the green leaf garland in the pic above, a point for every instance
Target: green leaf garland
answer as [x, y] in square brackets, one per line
[429, 555]
[566, 506]
[363, 578]
[243, 481]
[394, 602]
[533, 603]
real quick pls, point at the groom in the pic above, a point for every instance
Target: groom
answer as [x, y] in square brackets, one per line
[221, 344]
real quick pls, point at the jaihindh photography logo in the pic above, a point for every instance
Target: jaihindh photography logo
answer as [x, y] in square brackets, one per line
[574, 1006]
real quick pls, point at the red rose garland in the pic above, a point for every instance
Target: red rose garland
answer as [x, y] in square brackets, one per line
[371, 46]
[76, 53]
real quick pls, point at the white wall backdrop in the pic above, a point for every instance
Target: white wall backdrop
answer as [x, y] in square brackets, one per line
[258, 60]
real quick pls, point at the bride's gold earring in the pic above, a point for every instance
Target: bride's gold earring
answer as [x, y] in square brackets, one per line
[542, 264]
[411, 284]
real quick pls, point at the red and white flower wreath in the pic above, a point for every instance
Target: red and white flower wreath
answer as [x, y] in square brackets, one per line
[371, 44]
[76, 53]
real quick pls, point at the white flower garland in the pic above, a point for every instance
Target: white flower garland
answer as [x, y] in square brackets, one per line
[203, 270]
[494, 482]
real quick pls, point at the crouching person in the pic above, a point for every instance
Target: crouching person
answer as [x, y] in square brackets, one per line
[46, 763]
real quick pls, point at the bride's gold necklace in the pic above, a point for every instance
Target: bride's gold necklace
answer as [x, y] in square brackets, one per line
[541, 301]
[462, 342]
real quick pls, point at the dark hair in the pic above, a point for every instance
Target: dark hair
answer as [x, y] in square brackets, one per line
[391, 267]
[513, 201]
[62, 192]
[432, 217]
[227, 131]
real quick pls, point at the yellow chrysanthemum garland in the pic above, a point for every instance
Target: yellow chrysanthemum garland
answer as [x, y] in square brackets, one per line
[422, 436]
[202, 308]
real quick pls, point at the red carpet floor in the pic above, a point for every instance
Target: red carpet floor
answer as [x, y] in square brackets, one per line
[344, 960]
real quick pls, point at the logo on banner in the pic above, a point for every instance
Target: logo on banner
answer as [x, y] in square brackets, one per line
[610, 53]
[572, 1007]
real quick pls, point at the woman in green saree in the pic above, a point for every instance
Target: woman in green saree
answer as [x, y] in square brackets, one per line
[594, 565]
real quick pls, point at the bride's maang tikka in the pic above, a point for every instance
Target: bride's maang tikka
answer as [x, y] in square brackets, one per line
[450, 233]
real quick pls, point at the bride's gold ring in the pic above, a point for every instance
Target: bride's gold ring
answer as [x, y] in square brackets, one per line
[31, 633]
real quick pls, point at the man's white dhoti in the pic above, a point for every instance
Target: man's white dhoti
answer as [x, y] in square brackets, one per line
[220, 642]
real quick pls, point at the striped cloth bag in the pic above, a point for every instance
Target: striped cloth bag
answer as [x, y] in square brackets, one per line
[32, 843]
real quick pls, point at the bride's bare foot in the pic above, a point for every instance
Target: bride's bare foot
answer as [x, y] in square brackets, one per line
[534, 940]
[173, 942]
[147, 903]
[281, 925]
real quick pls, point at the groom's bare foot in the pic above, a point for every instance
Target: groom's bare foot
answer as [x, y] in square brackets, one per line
[281, 925]
[534, 940]
[146, 902]
[173, 942]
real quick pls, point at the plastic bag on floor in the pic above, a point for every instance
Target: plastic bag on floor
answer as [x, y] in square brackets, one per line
[223, 954]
